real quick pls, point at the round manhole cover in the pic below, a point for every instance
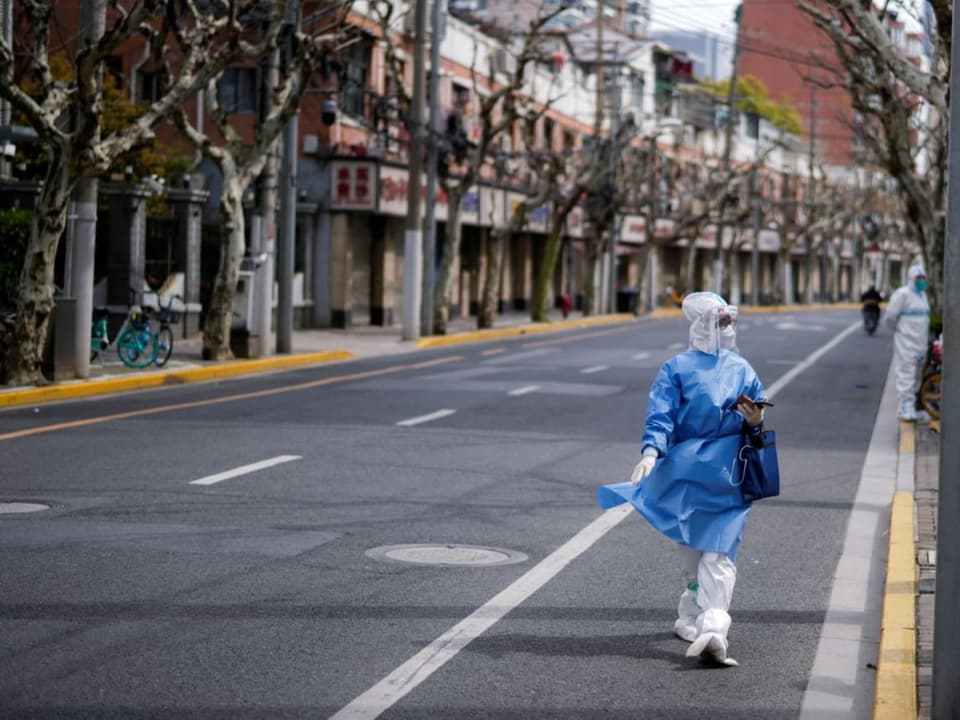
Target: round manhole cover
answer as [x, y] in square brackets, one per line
[10, 508]
[463, 555]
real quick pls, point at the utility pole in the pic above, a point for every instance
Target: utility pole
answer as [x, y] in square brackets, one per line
[429, 221]
[413, 235]
[727, 147]
[811, 190]
[82, 249]
[946, 652]
[614, 164]
[601, 68]
[5, 109]
[265, 248]
[755, 252]
[287, 231]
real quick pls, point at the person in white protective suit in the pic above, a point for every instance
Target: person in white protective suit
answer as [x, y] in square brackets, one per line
[908, 313]
[682, 484]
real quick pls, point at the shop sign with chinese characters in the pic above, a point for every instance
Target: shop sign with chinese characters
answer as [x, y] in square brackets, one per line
[353, 185]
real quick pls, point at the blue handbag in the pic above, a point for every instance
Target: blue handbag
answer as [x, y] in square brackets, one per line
[755, 469]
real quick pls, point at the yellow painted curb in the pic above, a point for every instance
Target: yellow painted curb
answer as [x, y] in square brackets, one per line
[141, 381]
[497, 333]
[896, 691]
[908, 437]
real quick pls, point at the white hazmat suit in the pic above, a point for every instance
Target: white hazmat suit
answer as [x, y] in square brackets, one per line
[682, 484]
[908, 313]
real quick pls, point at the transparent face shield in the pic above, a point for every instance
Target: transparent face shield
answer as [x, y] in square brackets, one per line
[715, 330]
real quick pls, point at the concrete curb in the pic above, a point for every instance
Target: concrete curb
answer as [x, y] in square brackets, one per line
[751, 309]
[896, 689]
[532, 329]
[141, 381]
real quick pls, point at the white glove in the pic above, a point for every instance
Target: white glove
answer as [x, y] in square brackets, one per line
[752, 413]
[644, 467]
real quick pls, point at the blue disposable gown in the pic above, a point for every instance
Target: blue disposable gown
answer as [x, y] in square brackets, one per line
[692, 423]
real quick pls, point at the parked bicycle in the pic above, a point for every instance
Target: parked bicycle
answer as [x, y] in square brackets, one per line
[931, 384]
[138, 345]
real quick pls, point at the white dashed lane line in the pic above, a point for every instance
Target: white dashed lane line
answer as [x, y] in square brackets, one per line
[244, 470]
[426, 418]
[526, 389]
[594, 369]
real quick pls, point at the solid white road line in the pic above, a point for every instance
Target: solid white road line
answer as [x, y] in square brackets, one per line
[245, 469]
[594, 369]
[790, 374]
[414, 671]
[417, 669]
[426, 418]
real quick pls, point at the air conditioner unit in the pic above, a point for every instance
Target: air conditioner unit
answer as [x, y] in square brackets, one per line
[503, 61]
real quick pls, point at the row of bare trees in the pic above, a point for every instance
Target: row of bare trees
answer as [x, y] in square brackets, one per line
[188, 45]
[898, 103]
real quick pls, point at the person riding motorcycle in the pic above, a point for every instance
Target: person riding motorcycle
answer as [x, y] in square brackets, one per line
[871, 300]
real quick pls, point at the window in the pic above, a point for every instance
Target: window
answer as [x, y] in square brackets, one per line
[461, 98]
[148, 86]
[357, 58]
[548, 126]
[236, 90]
[752, 125]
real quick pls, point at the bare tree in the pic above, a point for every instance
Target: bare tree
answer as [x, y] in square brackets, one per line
[69, 125]
[240, 163]
[884, 86]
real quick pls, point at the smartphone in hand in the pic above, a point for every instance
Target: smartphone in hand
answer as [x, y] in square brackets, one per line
[750, 402]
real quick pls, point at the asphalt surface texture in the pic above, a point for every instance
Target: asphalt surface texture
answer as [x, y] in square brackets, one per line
[143, 594]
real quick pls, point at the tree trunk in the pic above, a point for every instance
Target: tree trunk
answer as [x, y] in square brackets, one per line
[491, 279]
[35, 301]
[689, 268]
[216, 328]
[451, 250]
[541, 292]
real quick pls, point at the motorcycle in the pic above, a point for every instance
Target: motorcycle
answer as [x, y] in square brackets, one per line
[871, 316]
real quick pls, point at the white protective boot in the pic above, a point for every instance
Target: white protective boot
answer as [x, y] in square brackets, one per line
[717, 575]
[907, 411]
[710, 644]
[685, 626]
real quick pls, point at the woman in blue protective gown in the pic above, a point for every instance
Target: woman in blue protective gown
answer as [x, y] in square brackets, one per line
[682, 484]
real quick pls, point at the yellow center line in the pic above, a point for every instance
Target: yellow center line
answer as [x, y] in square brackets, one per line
[494, 351]
[225, 399]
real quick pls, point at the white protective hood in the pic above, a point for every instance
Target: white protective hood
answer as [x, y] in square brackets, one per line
[704, 310]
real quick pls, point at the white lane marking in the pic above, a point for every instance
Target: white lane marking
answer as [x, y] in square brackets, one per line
[676, 346]
[641, 356]
[524, 390]
[245, 469]
[414, 671]
[790, 374]
[594, 369]
[426, 418]
[421, 666]
[799, 326]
